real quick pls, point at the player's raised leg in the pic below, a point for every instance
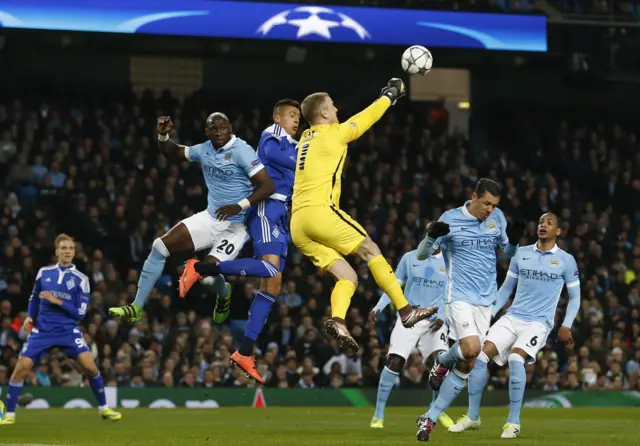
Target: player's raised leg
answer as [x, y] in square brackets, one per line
[385, 278]
[85, 359]
[177, 240]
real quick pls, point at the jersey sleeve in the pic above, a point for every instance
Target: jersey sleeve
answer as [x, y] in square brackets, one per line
[402, 272]
[355, 126]
[194, 153]
[34, 299]
[249, 160]
[571, 274]
[503, 240]
[514, 269]
[271, 152]
[77, 308]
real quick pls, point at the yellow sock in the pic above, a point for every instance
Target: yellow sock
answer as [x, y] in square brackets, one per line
[386, 280]
[341, 298]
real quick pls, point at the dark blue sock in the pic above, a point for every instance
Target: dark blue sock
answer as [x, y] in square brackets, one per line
[248, 267]
[97, 385]
[258, 315]
[13, 392]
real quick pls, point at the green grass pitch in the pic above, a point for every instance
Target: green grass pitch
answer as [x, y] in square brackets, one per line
[311, 426]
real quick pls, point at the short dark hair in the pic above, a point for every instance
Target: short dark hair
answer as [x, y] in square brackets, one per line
[285, 102]
[556, 218]
[311, 105]
[488, 185]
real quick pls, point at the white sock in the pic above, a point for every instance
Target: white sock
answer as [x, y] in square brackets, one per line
[13, 414]
[102, 408]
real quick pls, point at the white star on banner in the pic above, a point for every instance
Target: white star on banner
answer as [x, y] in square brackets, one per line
[348, 22]
[314, 25]
[279, 19]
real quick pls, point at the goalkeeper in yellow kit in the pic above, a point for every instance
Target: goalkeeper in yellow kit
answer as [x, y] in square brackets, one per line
[320, 229]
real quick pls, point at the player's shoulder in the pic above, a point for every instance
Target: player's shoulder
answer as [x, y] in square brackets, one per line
[451, 214]
[200, 146]
[79, 274]
[46, 270]
[564, 255]
[409, 256]
[240, 144]
[525, 250]
[498, 215]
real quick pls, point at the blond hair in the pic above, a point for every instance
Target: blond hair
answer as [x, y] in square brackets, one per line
[63, 238]
[310, 107]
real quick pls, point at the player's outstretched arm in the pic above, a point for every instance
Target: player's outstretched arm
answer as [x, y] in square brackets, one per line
[165, 144]
[572, 282]
[34, 300]
[358, 124]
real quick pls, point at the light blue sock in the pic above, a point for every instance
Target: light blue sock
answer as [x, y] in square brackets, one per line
[387, 381]
[450, 389]
[451, 357]
[434, 397]
[517, 384]
[216, 284]
[151, 271]
[477, 381]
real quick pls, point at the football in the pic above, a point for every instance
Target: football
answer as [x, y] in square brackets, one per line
[417, 60]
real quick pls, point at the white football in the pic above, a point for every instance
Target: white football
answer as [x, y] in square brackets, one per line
[417, 60]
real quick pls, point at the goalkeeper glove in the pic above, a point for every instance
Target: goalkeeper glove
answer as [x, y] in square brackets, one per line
[516, 231]
[438, 229]
[394, 90]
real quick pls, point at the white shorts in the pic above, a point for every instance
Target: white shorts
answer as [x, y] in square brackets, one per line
[468, 320]
[509, 333]
[404, 340]
[225, 238]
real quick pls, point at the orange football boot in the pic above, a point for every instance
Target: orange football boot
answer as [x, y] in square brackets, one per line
[189, 278]
[248, 365]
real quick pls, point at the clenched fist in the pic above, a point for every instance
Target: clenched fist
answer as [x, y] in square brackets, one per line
[164, 125]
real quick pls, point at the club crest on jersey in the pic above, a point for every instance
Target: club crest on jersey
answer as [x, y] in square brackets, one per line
[443, 269]
[70, 284]
[227, 158]
[491, 225]
[554, 262]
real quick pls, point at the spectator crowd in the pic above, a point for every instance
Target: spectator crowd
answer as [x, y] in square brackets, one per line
[94, 172]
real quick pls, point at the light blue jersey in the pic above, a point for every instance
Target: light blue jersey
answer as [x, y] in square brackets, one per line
[227, 172]
[424, 281]
[469, 252]
[541, 277]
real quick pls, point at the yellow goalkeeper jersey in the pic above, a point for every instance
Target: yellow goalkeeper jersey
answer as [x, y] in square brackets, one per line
[322, 151]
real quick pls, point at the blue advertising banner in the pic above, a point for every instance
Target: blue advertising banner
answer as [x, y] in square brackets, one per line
[254, 20]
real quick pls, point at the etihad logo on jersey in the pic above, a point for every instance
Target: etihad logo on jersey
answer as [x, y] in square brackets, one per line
[216, 172]
[428, 283]
[543, 276]
[487, 243]
[311, 21]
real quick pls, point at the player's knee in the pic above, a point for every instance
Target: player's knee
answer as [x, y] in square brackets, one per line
[470, 349]
[395, 363]
[368, 250]
[489, 349]
[517, 354]
[273, 285]
[160, 247]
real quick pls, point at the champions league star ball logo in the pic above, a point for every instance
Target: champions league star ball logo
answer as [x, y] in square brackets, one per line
[313, 20]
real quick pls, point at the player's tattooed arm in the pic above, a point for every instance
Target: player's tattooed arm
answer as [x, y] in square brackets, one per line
[165, 144]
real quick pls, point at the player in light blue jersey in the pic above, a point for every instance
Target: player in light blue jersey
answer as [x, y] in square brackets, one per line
[540, 272]
[236, 180]
[59, 301]
[268, 225]
[424, 282]
[468, 236]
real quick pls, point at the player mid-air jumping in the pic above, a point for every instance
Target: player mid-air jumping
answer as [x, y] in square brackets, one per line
[320, 229]
[540, 271]
[269, 229]
[468, 237]
[59, 300]
[233, 174]
[424, 284]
